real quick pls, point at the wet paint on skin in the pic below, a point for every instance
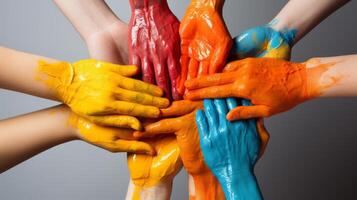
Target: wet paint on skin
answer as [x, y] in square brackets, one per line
[229, 149]
[273, 85]
[205, 40]
[147, 171]
[102, 92]
[111, 139]
[263, 41]
[180, 120]
[154, 44]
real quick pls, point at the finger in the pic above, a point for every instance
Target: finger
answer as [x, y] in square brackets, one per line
[182, 107]
[161, 77]
[222, 110]
[120, 121]
[192, 69]
[211, 92]
[139, 86]
[203, 68]
[246, 102]
[148, 75]
[211, 113]
[219, 57]
[248, 112]
[134, 147]
[236, 65]
[263, 135]
[202, 125]
[232, 103]
[133, 109]
[184, 73]
[165, 126]
[140, 98]
[174, 72]
[124, 70]
[134, 60]
[211, 80]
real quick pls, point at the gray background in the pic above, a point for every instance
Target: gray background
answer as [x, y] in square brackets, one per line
[312, 150]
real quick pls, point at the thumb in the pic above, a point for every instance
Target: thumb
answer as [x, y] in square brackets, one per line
[248, 112]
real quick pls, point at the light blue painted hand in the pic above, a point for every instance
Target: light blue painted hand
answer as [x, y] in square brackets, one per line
[230, 149]
[263, 41]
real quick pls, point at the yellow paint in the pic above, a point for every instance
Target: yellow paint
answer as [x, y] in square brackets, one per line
[147, 171]
[282, 52]
[93, 88]
[112, 139]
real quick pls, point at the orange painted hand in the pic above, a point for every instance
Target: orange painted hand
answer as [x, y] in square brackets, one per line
[109, 138]
[184, 127]
[272, 85]
[102, 92]
[205, 40]
[147, 171]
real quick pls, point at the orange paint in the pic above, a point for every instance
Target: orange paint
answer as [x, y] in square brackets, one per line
[205, 40]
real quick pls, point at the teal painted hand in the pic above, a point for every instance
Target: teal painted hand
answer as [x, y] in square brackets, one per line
[230, 149]
[263, 41]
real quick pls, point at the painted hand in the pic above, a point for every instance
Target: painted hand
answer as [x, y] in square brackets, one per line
[229, 149]
[205, 40]
[147, 171]
[184, 127]
[263, 41]
[111, 139]
[272, 85]
[102, 92]
[154, 44]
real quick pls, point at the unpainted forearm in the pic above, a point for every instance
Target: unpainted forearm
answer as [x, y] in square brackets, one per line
[25, 136]
[161, 191]
[18, 72]
[333, 76]
[87, 16]
[304, 15]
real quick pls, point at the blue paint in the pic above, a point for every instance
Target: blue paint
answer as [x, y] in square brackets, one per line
[230, 149]
[258, 41]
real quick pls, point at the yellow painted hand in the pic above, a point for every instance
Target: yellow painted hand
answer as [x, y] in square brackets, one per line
[109, 138]
[102, 92]
[147, 171]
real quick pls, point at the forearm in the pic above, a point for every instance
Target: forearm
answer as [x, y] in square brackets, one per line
[239, 185]
[161, 191]
[205, 186]
[88, 16]
[217, 4]
[333, 76]
[304, 15]
[18, 72]
[27, 135]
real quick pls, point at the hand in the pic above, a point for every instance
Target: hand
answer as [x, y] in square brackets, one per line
[263, 41]
[205, 40]
[111, 139]
[229, 149]
[154, 44]
[102, 92]
[184, 127]
[272, 85]
[148, 171]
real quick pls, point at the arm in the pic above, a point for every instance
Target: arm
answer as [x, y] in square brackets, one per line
[161, 191]
[23, 137]
[278, 85]
[115, 103]
[104, 34]
[26, 136]
[304, 15]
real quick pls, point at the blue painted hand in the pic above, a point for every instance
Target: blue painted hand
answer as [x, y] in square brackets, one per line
[230, 149]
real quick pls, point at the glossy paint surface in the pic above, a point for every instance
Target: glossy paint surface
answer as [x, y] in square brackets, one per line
[102, 92]
[229, 149]
[205, 41]
[154, 44]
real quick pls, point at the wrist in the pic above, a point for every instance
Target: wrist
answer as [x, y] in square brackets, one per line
[159, 191]
[142, 4]
[206, 186]
[283, 27]
[215, 4]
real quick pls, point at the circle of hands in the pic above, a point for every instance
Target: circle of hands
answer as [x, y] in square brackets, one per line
[210, 138]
